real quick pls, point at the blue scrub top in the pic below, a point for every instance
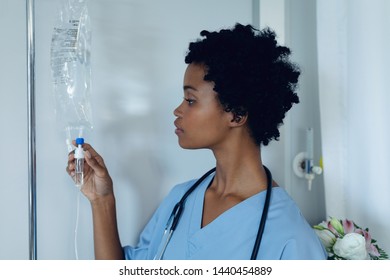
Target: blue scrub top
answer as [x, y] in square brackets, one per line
[230, 236]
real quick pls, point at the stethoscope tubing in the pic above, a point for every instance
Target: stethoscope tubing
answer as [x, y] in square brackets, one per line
[179, 207]
[264, 215]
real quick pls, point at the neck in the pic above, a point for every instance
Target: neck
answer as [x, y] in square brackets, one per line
[239, 171]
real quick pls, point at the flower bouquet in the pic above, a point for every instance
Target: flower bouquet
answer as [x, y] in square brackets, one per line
[344, 240]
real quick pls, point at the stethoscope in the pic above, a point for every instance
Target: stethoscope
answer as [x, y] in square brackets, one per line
[179, 207]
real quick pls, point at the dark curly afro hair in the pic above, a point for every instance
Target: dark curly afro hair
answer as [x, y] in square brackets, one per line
[252, 75]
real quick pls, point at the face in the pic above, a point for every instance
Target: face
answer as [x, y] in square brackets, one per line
[200, 121]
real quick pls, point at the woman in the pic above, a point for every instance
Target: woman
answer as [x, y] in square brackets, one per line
[238, 86]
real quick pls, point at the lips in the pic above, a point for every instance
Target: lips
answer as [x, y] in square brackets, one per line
[178, 129]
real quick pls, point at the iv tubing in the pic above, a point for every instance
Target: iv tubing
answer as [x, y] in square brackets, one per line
[76, 228]
[31, 129]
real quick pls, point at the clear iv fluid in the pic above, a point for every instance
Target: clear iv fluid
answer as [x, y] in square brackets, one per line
[79, 175]
[71, 69]
[79, 162]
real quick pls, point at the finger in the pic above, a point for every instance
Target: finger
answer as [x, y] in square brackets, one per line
[70, 166]
[93, 154]
[71, 157]
[70, 170]
[88, 147]
[95, 162]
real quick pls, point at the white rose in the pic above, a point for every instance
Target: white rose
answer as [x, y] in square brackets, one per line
[351, 247]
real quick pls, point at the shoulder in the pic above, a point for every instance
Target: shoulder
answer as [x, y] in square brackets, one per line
[180, 189]
[175, 194]
[282, 201]
[284, 210]
[292, 229]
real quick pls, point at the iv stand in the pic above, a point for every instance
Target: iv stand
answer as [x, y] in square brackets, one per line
[31, 129]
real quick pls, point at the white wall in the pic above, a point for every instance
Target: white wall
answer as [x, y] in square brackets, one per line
[354, 106]
[137, 63]
[13, 127]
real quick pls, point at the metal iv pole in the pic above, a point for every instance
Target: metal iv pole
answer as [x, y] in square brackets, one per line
[31, 129]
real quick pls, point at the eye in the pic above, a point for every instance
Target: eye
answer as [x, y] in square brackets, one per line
[189, 101]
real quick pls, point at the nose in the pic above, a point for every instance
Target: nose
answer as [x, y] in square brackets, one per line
[177, 112]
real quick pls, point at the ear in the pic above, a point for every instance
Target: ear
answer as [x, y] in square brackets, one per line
[238, 120]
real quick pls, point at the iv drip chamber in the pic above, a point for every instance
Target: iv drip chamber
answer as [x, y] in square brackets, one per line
[79, 162]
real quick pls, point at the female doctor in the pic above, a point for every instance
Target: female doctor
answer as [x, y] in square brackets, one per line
[237, 87]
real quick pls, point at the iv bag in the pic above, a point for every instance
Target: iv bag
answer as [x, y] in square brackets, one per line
[71, 69]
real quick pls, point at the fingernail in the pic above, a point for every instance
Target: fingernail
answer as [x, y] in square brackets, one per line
[88, 154]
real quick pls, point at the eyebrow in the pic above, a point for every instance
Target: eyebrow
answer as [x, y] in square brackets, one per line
[189, 88]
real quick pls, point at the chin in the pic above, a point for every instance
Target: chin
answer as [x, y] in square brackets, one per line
[188, 146]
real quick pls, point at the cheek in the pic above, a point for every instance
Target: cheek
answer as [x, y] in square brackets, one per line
[206, 121]
[208, 127]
